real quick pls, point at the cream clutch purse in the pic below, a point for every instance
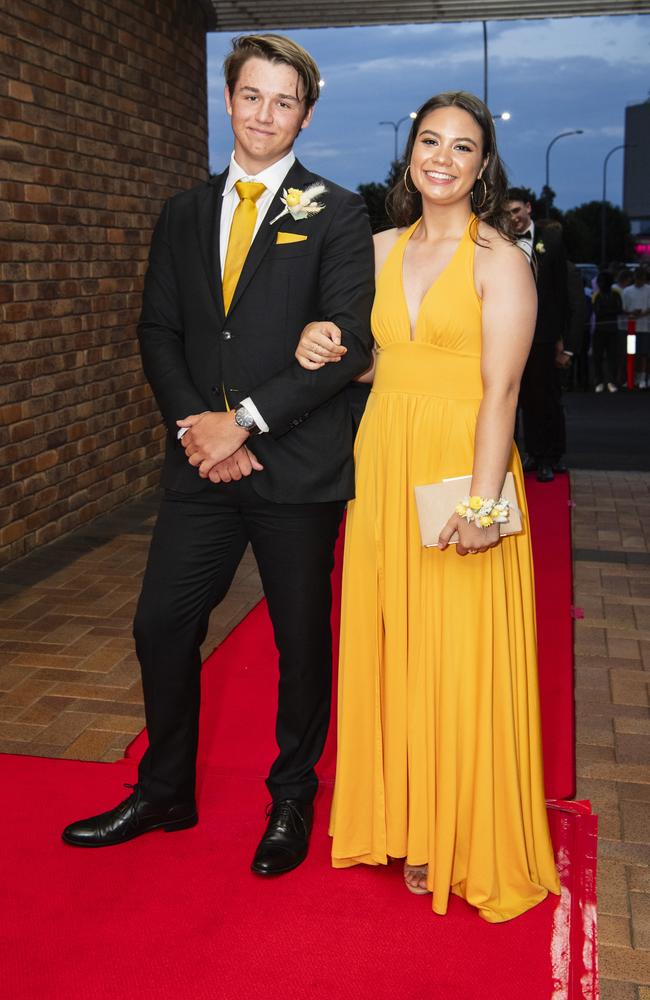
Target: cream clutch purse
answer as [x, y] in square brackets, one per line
[436, 503]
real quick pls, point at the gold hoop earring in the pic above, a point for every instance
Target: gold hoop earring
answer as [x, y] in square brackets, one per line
[485, 194]
[406, 173]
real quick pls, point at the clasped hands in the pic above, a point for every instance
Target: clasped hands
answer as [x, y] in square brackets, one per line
[214, 444]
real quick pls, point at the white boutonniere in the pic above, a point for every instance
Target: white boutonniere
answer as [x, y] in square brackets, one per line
[301, 204]
[540, 248]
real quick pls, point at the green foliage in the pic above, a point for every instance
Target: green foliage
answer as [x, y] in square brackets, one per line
[582, 232]
[374, 195]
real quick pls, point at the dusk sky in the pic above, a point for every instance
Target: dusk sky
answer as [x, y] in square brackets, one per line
[551, 75]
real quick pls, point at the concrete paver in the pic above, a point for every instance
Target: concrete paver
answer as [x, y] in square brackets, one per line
[69, 678]
[612, 585]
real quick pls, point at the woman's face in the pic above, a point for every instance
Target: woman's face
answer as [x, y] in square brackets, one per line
[447, 156]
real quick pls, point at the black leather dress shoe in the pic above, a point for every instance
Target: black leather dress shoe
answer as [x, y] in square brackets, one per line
[529, 464]
[545, 474]
[285, 842]
[129, 819]
[559, 467]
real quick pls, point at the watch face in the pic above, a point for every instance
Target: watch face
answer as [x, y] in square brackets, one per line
[244, 419]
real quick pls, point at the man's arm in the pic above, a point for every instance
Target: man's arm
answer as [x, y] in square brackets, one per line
[560, 286]
[160, 333]
[577, 310]
[346, 289]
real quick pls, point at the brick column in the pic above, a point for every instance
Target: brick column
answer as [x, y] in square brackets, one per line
[103, 114]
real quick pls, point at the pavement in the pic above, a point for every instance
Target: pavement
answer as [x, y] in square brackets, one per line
[608, 431]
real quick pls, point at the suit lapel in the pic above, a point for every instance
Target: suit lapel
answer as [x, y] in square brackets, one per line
[208, 222]
[267, 233]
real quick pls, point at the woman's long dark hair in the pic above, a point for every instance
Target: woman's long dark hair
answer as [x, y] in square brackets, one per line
[404, 207]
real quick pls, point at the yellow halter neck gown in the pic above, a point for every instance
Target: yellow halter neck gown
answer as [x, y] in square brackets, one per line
[439, 747]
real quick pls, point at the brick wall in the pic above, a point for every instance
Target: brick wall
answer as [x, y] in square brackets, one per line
[103, 114]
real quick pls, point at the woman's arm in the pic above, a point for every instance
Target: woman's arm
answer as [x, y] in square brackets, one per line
[320, 342]
[509, 309]
[509, 312]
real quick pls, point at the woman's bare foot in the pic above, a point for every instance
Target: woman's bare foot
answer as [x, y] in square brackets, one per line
[415, 878]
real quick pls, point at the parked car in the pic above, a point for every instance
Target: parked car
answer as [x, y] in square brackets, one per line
[589, 274]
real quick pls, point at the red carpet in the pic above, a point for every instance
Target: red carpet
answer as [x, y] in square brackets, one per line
[551, 527]
[181, 918]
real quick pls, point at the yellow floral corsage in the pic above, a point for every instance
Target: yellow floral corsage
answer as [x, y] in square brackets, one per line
[484, 512]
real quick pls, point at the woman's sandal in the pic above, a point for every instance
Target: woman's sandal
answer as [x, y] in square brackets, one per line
[414, 876]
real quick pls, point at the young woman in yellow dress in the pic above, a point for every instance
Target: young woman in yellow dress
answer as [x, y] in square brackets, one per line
[439, 748]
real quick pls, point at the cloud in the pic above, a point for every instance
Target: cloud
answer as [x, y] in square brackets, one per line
[318, 150]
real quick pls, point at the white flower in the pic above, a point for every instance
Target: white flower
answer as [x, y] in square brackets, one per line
[540, 248]
[301, 204]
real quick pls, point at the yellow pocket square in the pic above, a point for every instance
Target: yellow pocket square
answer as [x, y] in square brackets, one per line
[290, 238]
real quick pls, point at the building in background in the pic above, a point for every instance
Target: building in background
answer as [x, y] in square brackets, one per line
[636, 175]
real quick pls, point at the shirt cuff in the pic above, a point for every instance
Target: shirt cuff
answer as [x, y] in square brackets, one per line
[181, 432]
[249, 405]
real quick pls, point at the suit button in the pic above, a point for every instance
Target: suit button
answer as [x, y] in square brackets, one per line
[226, 335]
[214, 388]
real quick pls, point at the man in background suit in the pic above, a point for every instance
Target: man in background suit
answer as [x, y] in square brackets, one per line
[238, 267]
[540, 397]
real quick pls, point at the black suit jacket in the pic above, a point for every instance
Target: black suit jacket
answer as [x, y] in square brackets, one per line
[552, 295]
[577, 312]
[190, 348]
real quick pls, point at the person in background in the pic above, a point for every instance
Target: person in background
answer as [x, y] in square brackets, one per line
[540, 399]
[623, 281]
[607, 308]
[636, 303]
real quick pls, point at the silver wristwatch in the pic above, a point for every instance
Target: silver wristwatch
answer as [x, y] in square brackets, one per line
[244, 420]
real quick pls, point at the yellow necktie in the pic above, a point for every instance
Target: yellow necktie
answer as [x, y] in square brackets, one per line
[241, 236]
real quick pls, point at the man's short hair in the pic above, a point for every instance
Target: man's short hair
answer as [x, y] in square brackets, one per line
[519, 194]
[277, 49]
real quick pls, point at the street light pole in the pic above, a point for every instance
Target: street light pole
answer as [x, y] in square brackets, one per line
[485, 64]
[575, 131]
[603, 207]
[395, 126]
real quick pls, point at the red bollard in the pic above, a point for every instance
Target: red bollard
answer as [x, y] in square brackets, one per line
[631, 351]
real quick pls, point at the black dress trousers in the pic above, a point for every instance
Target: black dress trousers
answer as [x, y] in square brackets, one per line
[540, 399]
[198, 542]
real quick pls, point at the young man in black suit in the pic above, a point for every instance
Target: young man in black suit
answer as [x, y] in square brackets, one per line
[540, 397]
[238, 267]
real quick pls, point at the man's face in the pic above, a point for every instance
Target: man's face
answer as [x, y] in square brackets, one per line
[519, 215]
[267, 110]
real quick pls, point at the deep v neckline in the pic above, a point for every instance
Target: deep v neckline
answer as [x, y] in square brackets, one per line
[408, 235]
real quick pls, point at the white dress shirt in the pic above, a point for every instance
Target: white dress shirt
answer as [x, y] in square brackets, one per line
[272, 178]
[526, 242]
[638, 298]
